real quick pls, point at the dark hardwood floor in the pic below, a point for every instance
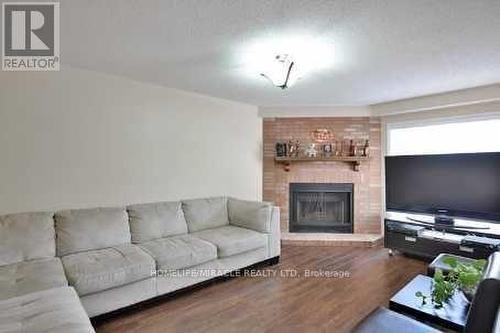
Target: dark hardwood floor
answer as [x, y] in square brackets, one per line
[282, 304]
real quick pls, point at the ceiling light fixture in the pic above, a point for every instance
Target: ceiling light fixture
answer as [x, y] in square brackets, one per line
[282, 72]
[283, 58]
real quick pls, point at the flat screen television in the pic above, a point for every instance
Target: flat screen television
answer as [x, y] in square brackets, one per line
[463, 185]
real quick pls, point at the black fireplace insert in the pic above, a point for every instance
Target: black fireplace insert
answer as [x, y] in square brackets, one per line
[321, 207]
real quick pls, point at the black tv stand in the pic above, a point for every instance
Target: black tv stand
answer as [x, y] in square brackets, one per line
[450, 227]
[420, 236]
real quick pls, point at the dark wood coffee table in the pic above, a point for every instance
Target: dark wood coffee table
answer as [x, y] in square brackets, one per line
[452, 315]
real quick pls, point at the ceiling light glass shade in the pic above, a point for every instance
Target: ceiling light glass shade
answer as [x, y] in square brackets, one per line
[282, 72]
[271, 55]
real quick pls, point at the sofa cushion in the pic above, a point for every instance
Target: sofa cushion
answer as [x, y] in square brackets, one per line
[205, 213]
[250, 214]
[98, 270]
[231, 240]
[156, 220]
[180, 251]
[26, 236]
[91, 229]
[56, 310]
[29, 276]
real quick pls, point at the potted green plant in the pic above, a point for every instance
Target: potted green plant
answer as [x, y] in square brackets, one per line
[462, 276]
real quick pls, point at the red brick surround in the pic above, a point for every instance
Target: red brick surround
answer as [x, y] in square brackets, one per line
[367, 182]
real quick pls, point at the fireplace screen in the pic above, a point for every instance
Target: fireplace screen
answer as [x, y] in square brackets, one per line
[321, 207]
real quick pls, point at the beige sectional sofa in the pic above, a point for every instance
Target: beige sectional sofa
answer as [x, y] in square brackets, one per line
[116, 257]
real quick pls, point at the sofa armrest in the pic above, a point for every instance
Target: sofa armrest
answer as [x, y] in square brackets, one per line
[275, 236]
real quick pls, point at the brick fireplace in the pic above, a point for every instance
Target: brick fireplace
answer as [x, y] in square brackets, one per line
[366, 183]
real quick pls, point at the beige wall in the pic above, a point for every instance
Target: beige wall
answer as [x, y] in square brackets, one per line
[473, 111]
[79, 138]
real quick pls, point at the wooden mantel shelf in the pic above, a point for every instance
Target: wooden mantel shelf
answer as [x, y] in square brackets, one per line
[354, 160]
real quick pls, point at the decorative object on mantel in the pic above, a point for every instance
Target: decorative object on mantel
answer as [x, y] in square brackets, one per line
[281, 149]
[353, 149]
[344, 151]
[311, 150]
[293, 148]
[366, 148]
[322, 135]
[328, 150]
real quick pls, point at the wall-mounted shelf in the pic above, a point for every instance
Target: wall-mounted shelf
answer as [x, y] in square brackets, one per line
[354, 160]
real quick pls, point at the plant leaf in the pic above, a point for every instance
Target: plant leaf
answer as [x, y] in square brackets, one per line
[450, 261]
[479, 264]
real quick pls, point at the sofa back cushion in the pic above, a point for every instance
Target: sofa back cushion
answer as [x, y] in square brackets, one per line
[91, 229]
[253, 215]
[156, 220]
[205, 213]
[26, 236]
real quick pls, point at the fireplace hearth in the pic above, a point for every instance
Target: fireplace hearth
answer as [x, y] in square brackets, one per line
[321, 207]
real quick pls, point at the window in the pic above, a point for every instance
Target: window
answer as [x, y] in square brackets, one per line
[446, 138]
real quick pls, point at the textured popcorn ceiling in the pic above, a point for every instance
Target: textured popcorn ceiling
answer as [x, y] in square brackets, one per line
[385, 49]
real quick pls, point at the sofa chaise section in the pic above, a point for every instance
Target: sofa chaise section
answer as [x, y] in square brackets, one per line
[30, 276]
[27, 255]
[57, 310]
[93, 271]
[98, 256]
